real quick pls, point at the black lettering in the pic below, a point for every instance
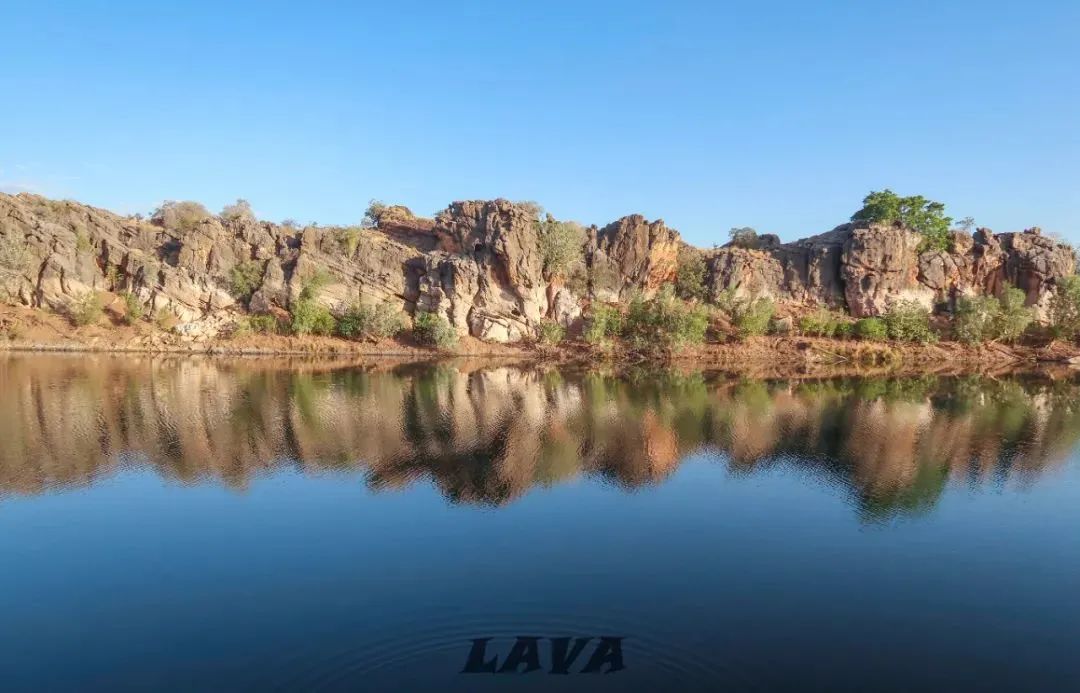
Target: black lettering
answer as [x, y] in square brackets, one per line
[475, 664]
[560, 660]
[608, 650]
[525, 651]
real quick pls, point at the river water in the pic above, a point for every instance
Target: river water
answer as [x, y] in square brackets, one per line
[260, 524]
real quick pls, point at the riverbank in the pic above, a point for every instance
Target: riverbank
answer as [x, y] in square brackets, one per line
[28, 330]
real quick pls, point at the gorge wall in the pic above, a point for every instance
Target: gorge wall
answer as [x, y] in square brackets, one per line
[479, 264]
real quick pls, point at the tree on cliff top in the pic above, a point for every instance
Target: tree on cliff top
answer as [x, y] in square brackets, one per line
[180, 216]
[917, 213]
[239, 210]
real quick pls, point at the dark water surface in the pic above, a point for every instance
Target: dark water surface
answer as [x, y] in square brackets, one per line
[187, 524]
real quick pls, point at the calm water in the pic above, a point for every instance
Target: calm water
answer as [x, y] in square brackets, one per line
[218, 525]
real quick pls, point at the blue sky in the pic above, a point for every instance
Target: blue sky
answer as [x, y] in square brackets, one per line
[777, 115]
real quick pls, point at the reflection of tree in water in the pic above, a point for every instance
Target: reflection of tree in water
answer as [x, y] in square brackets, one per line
[487, 436]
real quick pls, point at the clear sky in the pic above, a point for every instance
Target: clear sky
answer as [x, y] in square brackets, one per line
[777, 115]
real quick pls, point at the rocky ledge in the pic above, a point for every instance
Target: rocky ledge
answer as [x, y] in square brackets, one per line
[479, 264]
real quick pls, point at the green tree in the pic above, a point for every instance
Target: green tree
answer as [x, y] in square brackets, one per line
[743, 237]
[923, 216]
[562, 246]
[690, 274]
[245, 278]
[1065, 308]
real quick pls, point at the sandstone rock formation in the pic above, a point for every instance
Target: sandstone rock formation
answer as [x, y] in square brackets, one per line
[864, 268]
[478, 263]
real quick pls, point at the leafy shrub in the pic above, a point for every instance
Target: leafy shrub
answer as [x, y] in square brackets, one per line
[314, 284]
[133, 310]
[753, 317]
[603, 323]
[245, 278]
[1065, 308]
[562, 245]
[551, 333]
[916, 213]
[311, 317]
[82, 242]
[744, 237]
[844, 329]
[983, 318]
[434, 330]
[690, 275]
[975, 318]
[871, 329]
[180, 216]
[1014, 317]
[238, 211]
[664, 321]
[264, 323]
[824, 323]
[909, 321]
[370, 322]
[85, 310]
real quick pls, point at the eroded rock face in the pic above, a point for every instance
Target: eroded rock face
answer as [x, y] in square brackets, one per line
[631, 255]
[865, 268]
[479, 264]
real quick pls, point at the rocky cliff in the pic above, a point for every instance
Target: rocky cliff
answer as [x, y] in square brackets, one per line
[479, 263]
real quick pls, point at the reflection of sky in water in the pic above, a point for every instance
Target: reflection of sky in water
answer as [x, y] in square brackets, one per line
[198, 525]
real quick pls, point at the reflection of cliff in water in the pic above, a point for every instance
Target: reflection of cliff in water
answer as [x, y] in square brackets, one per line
[489, 435]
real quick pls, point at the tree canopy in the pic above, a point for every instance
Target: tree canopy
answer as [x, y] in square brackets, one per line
[917, 213]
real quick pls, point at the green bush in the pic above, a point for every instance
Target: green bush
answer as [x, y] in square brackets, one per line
[1014, 317]
[133, 310]
[245, 279]
[909, 321]
[562, 245]
[824, 323]
[263, 323]
[551, 332]
[664, 322]
[434, 330]
[690, 275]
[975, 318]
[371, 322]
[984, 318]
[753, 317]
[844, 329]
[85, 310]
[871, 329]
[1065, 308]
[311, 317]
[916, 213]
[603, 323]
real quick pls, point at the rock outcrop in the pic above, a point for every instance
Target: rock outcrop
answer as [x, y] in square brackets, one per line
[865, 268]
[480, 264]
